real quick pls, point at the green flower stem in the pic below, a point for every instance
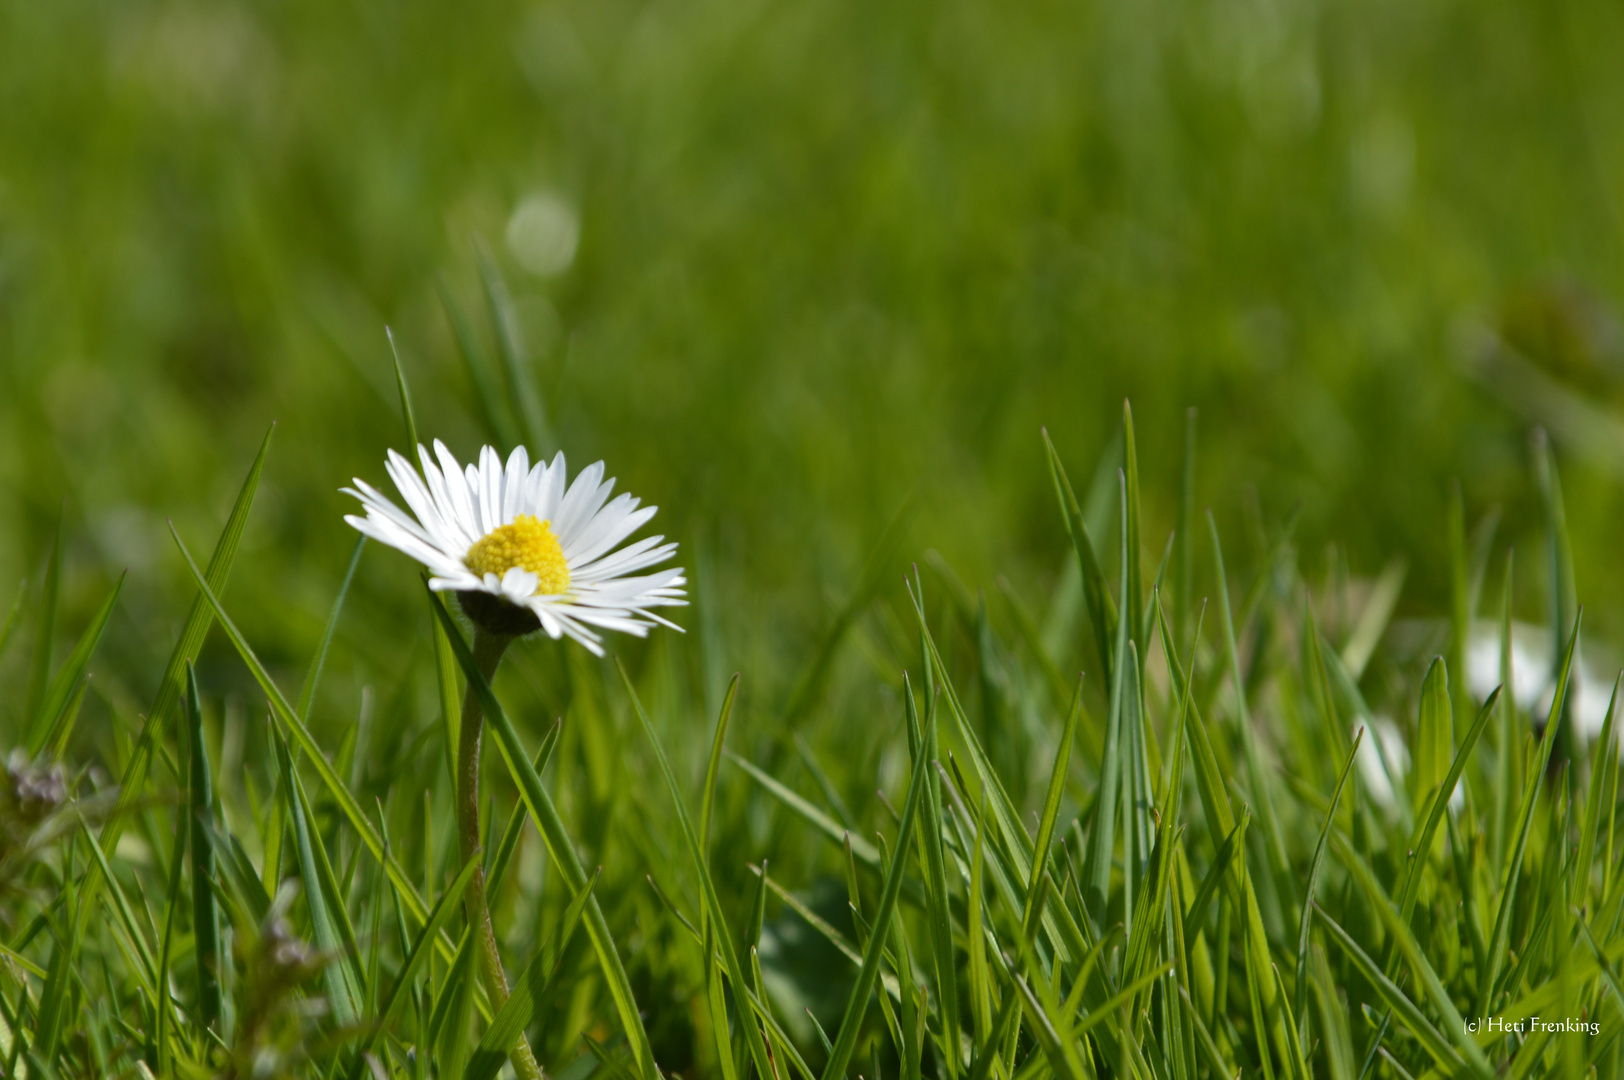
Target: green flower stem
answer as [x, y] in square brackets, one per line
[488, 650]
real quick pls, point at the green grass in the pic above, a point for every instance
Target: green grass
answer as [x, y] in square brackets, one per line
[838, 270]
[1174, 870]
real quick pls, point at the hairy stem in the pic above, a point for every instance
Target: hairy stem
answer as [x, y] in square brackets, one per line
[488, 650]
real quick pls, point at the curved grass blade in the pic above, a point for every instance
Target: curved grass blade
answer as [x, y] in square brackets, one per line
[1403, 1008]
[1308, 892]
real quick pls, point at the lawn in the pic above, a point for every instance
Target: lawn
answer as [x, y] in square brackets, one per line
[1076, 423]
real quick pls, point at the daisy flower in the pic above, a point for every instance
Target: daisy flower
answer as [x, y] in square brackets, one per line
[522, 550]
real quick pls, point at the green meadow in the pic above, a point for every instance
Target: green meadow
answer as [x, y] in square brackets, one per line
[1148, 481]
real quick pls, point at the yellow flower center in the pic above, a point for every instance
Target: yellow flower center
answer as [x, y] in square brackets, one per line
[526, 543]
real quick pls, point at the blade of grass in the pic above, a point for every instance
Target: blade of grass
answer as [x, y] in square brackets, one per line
[307, 692]
[405, 394]
[857, 1002]
[39, 671]
[1314, 868]
[70, 675]
[205, 913]
[1102, 613]
[1435, 735]
[1606, 749]
[341, 997]
[1421, 843]
[935, 860]
[1407, 1012]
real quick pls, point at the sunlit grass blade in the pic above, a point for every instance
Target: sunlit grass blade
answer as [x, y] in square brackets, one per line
[1102, 613]
[341, 995]
[401, 389]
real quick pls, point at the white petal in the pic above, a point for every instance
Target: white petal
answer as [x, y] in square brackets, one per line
[518, 584]
[457, 493]
[612, 524]
[580, 502]
[628, 559]
[518, 469]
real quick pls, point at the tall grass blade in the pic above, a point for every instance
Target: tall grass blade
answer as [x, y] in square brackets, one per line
[206, 923]
[341, 996]
[406, 413]
[857, 1003]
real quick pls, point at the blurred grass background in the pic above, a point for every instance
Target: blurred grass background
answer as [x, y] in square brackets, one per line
[798, 271]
